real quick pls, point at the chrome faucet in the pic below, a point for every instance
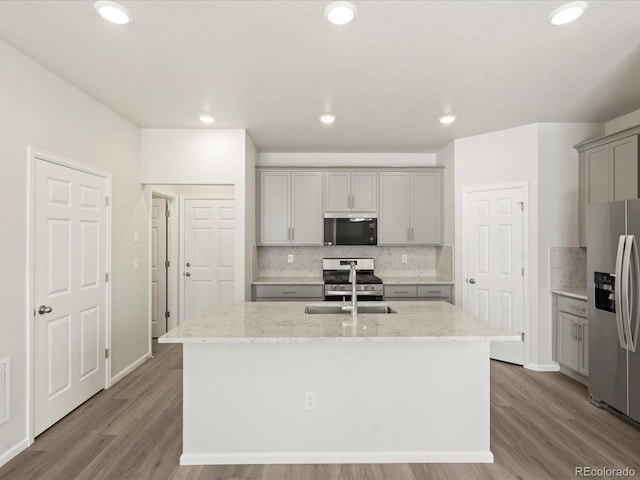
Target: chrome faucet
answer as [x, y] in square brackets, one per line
[354, 295]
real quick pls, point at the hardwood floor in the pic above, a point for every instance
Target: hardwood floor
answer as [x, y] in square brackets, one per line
[542, 427]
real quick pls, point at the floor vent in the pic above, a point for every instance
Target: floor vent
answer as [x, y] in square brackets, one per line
[4, 390]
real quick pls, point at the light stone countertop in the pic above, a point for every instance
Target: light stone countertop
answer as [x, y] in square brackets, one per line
[413, 280]
[573, 292]
[280, 322]
[289, 281]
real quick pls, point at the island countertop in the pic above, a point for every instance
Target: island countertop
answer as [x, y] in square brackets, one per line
[281, 322]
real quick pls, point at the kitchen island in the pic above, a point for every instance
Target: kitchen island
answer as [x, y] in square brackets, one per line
[269, 383]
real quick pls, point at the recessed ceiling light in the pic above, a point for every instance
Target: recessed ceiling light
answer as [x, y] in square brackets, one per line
[447, 119]
[567, 13]
[341, 12]
[327, 118]
[113, 12]
[206, 119]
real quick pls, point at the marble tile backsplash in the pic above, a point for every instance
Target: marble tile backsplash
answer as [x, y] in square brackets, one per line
[568, 267]
[307, 261]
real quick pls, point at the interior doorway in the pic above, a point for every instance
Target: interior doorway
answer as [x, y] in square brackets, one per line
[70, 250]
[159, 266]
[494, 263]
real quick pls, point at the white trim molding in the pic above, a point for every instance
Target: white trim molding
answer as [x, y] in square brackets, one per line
[259, 458]
[13, 451]
[127, 370]
[542, 367]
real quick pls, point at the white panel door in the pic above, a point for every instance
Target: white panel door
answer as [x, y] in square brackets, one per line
[209, 254]
[494, 261]
[158, 267]
[69, 290]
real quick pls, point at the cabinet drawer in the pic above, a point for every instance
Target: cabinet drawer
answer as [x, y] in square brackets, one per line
[434, 291]
[288, 291]
[400, 291]
[572, 305]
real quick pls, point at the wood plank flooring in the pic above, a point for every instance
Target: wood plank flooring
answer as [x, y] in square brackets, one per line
[542, 427]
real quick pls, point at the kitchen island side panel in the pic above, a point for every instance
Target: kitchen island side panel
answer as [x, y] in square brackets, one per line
[377, 402]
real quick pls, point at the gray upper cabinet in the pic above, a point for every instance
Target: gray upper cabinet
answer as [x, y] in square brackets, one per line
[351, 191]
[290, 208]
[612, 171]
[410, 208]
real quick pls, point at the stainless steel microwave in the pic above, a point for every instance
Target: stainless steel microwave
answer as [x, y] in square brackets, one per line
[350, 229]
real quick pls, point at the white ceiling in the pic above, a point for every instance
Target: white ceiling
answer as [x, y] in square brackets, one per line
[274, 66]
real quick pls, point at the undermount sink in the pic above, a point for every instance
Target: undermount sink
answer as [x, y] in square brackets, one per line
[327, 309]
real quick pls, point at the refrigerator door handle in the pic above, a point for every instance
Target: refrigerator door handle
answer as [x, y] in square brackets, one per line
[619, 291]
[632, 286]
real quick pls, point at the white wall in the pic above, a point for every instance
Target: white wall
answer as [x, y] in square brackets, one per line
[203, 156]
[41, 110]
[558, 210]
[541, 155]
[629, 120]
[500, 158]
[346, 159]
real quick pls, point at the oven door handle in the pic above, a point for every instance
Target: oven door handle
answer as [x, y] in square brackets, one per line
[345, 293]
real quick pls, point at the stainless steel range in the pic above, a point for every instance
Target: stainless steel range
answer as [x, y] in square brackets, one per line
[337, 287]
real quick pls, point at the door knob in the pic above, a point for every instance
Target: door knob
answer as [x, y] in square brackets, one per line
[44, 309]
[187, 274]
[188, 264]
[472, 280]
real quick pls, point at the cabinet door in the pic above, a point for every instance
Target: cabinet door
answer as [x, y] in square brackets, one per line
[567, 336]
[306, 208]
[393, 224]
[274, 208]
[600, 175]
[364, 191]
[426, 209]
[337, 192]
[624, 154]
[583, 364]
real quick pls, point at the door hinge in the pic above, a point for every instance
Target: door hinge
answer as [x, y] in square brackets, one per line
[522, 271]
[167, 213]
[522, 335]
[167, 314]
[106, 277]
[167, 264]
[106, 353]
[521, 206]
[106, 201]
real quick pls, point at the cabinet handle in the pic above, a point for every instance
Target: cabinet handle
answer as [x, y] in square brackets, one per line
[353, 201]
[579, 333]
[401, 291]
[288, 293]
[575, 335]
[433, 291]
[409, 234]
[412, 234]
[293, 233]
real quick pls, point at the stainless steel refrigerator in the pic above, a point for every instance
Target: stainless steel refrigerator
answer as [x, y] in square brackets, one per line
[613, 281]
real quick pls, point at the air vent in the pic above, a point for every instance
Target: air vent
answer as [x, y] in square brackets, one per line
[4, 390]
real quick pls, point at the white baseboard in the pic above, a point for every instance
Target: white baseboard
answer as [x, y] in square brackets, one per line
[264, 458]
[13, 451]
[542, 367]
[130, 368]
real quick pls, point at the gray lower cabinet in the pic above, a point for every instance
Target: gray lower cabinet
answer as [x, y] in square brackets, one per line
[572, 336]
[283, 293]
[440, 292]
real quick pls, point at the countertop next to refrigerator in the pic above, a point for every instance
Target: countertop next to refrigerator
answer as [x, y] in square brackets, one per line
[579, 293]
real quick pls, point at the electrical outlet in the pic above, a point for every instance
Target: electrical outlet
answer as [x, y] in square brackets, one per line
[289, 258]
[136, 237]
[404, 259]
[309, 400]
